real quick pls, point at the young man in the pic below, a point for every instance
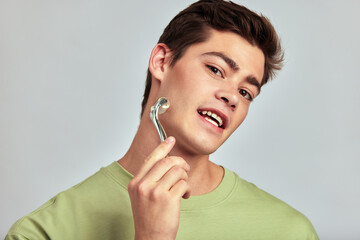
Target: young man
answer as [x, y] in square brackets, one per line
[210, 62]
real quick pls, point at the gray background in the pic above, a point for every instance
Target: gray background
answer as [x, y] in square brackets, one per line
[71, 81]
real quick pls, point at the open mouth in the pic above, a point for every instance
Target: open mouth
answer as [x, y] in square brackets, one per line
[212, 118]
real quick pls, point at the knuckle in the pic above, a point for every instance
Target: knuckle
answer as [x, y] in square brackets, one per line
[167, 161]
[181, 162]
[141, 189]
[185, 176]
[132, 185]
[183, 184]
[178, 170]
[175, 161]
[178, 159]
[156, 194]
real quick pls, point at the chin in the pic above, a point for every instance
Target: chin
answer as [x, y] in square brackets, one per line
[196, 145]
[190, 141]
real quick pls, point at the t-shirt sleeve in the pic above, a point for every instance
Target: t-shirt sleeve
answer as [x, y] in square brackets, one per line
[26, 230]
[11, 236]
[313, 236]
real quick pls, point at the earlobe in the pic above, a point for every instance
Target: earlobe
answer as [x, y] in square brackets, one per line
[159, 61]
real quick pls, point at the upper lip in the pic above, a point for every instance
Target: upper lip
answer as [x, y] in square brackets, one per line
[218, 112]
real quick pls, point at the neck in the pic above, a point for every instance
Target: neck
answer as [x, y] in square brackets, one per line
[204, 175]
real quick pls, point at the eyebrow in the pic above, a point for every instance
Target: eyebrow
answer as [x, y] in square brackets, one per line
[234, 66]
[252, 80]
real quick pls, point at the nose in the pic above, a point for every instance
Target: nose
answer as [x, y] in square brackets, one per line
[230, 97]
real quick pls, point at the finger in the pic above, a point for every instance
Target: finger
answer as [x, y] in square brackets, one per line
[174, 175]
[163, 166]
[181, 189]
[160, 152]
[186, 195]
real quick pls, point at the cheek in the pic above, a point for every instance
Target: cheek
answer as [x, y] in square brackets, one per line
[187, 84]
[188, 72]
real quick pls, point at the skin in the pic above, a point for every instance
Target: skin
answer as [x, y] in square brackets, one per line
[221, 74]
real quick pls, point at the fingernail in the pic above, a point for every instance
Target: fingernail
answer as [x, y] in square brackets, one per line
[169, 139]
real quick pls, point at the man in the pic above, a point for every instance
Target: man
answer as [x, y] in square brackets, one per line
[210, 62]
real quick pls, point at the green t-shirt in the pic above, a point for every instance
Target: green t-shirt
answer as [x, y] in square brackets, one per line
[99, 208]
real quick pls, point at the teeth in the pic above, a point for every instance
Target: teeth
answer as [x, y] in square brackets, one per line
[217, 118]
[211, 121]
[213, 115]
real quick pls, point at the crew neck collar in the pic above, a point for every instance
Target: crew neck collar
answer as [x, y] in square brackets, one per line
[208, 200]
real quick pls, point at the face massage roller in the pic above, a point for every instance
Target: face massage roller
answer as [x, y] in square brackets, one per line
[161, 105]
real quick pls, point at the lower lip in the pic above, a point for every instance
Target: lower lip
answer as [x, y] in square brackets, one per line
[212, 126]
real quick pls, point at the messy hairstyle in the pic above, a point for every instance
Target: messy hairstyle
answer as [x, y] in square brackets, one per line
[193, 25]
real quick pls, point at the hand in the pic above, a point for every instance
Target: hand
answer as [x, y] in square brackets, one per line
[156, 192]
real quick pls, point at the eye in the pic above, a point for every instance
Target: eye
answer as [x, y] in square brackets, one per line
[245, 94]
[215, 70]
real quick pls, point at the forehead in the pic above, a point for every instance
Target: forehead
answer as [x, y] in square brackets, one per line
[249, 58]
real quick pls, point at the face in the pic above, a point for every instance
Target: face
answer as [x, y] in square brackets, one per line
[210, 89]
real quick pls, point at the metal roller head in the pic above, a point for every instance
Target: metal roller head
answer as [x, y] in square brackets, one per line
[164, 104]
[161, 105]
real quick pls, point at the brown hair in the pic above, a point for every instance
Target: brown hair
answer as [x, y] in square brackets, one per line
[192, 26]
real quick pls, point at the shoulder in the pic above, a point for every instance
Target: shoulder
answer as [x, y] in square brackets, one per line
[272, 211]
[87, 199]
[28, 227]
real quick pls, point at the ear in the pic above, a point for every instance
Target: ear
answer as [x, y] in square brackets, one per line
[159, 61]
